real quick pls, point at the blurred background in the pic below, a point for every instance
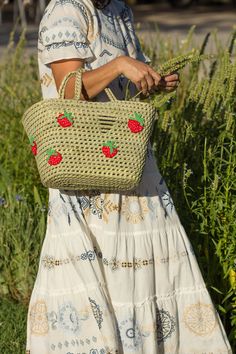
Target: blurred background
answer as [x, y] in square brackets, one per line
[173, 17]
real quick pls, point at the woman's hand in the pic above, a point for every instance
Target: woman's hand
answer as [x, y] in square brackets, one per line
[169, 82]
[144, 77]
[141, 74]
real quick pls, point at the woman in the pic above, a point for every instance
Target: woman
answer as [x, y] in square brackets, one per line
[117, 273]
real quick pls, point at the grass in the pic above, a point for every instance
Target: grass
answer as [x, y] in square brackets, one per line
[194, 144]
[12, 326]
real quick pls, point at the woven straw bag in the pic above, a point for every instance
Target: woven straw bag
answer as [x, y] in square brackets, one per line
[87, 145]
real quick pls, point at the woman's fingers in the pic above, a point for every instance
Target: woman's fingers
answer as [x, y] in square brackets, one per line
[144, 86]
[150, 81]
[170, 88]
[172, 84]
[156, 77]
[172, 77]
[138, 85]
[170, 81]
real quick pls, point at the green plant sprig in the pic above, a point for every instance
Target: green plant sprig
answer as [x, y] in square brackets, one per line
[161, 100]
[179, 62]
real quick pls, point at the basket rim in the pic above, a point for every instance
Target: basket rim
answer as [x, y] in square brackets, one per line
[84, 102]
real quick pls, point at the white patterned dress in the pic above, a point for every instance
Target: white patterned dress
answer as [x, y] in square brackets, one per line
[131, 283]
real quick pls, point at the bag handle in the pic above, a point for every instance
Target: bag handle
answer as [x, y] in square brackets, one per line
[78, 85]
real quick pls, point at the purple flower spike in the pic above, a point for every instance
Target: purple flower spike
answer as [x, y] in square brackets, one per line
[2, 201]
[19, 197]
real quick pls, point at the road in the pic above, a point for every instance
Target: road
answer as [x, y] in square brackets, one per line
[175, 24]
[172, 23]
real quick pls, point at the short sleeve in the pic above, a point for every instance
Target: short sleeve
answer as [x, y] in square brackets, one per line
[63, 32]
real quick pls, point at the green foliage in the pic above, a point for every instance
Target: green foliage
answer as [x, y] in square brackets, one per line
[179, 62]
[22, 231]
[22, 198]
[13, 316]
[194, 144]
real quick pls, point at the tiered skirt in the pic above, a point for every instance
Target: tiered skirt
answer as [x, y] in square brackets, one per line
[117, 274]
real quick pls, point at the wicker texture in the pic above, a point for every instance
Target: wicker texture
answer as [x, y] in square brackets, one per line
[77, 160]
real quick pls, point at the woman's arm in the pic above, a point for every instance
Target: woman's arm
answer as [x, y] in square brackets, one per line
[95, 81]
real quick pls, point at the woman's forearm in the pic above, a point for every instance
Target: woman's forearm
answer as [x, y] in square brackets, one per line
[97, 80]
[94, 81]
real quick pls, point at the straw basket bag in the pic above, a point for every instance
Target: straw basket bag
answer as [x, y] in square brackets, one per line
[87, 145]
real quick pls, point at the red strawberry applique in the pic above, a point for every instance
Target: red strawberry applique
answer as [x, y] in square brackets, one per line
[136, 123]
[33, 144]
[110, 149]
[54, 157]
[65, 119]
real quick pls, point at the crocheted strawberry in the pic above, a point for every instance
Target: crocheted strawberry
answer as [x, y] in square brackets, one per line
[33, 144]
[109, 149]
[54, 157]
[136, 123]
[65, 119]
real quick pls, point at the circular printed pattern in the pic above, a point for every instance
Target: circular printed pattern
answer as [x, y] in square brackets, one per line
[38, 318]
[129, 334]
[134, 208]
[93, 351]
[96, 351]
[200, 318]
[165, 325]
[69, 318]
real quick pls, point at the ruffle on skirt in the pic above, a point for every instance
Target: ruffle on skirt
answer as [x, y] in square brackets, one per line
[129, 284]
